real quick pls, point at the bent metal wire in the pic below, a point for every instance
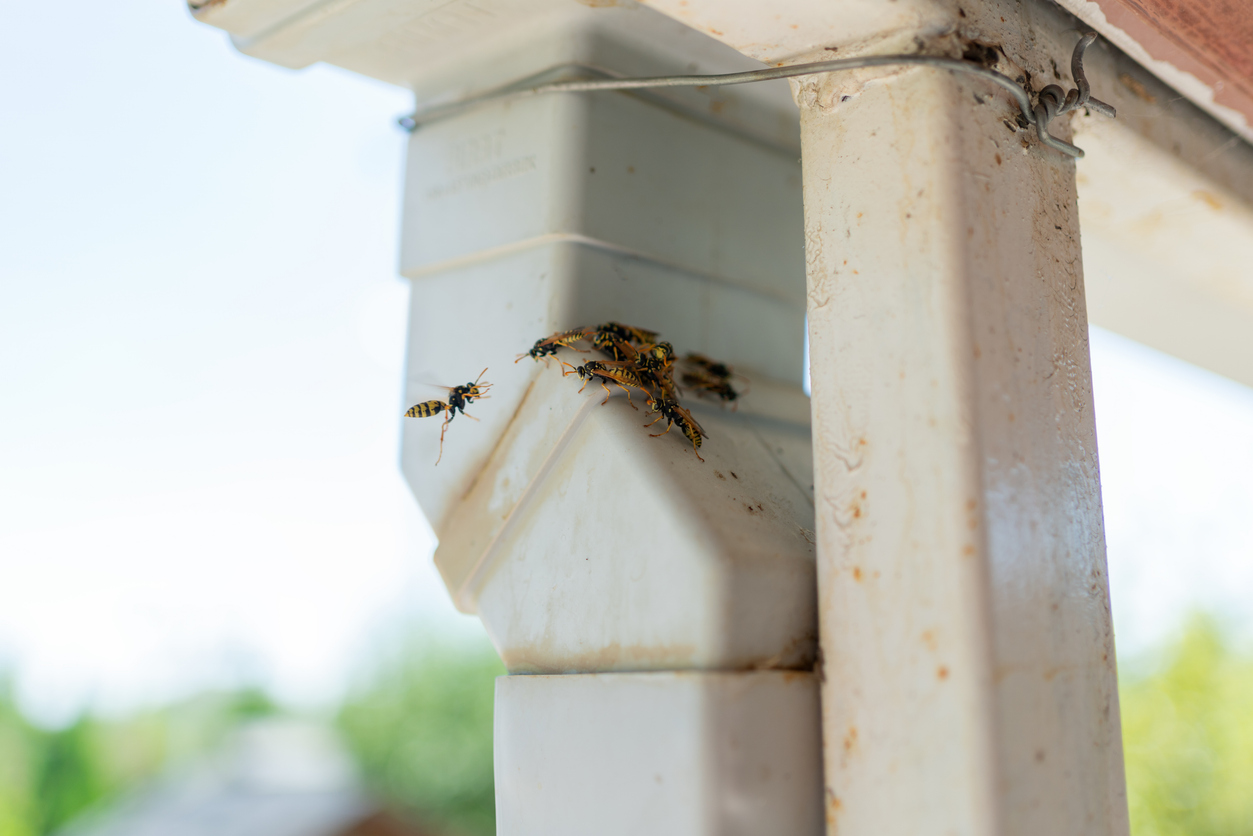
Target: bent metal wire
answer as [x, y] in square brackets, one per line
[1051, 102]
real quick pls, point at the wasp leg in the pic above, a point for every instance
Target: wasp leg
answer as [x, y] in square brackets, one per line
[468, 415]
[655, 420]
[628, 394]
[659, 435]
[694, 450]
[608, 394]
[442, 430]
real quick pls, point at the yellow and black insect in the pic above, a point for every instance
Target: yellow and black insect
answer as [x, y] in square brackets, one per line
[654, 364]
[612, 338]
[669, 410]
[619, 374]
[710, 377]
[458, 397]
[548, 346]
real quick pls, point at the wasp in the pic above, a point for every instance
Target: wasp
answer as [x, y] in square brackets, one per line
[458, 397]
[669, 409]
[656, 357]
[654, 364]
[708, 376]
[548, 346]
[613, 338]
[621, 375]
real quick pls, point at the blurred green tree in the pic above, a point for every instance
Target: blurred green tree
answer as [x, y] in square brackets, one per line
[49, 776]
[1188, 738]
[422, 733]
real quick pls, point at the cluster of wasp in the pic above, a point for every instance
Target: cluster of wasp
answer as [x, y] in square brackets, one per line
[636, 360]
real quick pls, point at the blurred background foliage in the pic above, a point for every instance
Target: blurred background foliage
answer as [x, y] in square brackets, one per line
[421, 732]
[1187, 718]
[420, 729]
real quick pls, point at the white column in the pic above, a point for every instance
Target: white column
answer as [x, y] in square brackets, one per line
[968, 652]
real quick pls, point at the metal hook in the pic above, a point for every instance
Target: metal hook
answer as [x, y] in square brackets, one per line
[1053, 101]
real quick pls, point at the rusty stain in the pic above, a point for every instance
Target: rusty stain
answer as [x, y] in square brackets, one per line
[1011, 417]
[928, 638]
[630, 169]
[834, 805]
[1039, 756]
[857, 573]
[856, 511]
[610, 656]
[1209, 198]
[716, 107]
[941, 673]
[733, 476]
[850, 739]
[799, 657]
[1137, 88]
[718, 473]
[998, 158]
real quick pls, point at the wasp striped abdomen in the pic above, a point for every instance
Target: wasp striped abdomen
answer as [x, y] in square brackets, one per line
[426, 409]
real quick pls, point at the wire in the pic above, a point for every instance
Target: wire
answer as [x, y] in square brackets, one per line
[1051, 102]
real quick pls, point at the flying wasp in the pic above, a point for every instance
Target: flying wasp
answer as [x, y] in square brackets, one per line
[458, 397]
[619, 374]
[669, 409]
[548, 346]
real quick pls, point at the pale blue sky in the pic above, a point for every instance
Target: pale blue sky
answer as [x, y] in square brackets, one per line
[201, 361]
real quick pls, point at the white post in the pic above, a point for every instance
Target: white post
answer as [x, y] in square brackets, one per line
[964, 607]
